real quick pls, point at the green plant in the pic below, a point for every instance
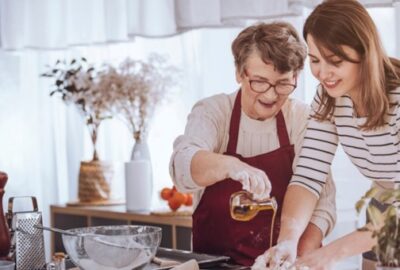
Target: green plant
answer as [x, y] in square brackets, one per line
[385, 226]
[78, 83]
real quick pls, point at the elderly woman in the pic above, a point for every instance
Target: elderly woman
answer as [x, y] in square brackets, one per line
[248, 139]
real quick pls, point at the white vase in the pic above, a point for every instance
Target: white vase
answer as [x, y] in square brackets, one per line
[139, 179]
[140, 150]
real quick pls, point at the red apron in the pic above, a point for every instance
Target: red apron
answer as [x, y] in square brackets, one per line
[214, 231]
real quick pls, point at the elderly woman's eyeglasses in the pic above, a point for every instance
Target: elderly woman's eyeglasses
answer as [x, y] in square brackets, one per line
[262, 86]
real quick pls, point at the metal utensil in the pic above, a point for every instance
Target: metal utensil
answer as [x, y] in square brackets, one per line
[57, 230]
[80, 245]
[27, 242]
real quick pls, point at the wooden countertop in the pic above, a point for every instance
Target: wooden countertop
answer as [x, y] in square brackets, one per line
[120, 212]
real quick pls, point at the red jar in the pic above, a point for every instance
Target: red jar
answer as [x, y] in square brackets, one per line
[4, 232]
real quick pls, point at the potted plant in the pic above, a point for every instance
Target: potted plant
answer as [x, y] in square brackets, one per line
[138, 87]
[78, 83]
[385, 226]
[142, 86]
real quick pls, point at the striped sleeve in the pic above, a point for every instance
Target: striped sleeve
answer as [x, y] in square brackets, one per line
[324, 215]
[316, 155]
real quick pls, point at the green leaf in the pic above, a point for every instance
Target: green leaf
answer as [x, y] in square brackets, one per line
[386, 196]
[70, 88]
[391, 211]
[54, 91]
[59, 82]
[360, 205]
[371, 192]
[377, 218]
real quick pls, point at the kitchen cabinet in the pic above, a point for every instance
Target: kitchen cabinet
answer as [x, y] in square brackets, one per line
[176, 230]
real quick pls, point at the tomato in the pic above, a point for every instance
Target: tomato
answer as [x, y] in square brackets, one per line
[189, 200]
[174, 204]
[166, 193]
[179, 197]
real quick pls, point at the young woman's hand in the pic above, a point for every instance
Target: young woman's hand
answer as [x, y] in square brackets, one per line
[252, 179]
[319, 259]
[325, 257]
[310, 240]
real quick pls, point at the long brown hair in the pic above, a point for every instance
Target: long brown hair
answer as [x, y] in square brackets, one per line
[335, 23]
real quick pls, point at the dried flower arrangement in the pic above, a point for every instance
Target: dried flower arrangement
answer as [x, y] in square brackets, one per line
[138, 87]
[79, 83]
[385, 225]
[131, 91]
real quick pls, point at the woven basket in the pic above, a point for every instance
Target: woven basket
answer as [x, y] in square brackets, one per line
[94, 181]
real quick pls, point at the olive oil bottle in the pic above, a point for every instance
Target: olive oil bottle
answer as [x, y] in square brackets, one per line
[244, 208]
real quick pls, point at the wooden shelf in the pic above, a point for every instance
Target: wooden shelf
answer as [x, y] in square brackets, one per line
[176, 230]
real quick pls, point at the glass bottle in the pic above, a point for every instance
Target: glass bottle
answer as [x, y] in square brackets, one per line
[244, 208]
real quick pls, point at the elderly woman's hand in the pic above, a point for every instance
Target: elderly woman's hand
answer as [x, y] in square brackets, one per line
[252, 179]
[280, 256]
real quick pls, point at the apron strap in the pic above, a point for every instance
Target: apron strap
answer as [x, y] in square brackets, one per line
[282, 131]
[234, 125]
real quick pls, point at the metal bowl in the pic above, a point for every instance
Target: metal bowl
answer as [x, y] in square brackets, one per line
[112, 247]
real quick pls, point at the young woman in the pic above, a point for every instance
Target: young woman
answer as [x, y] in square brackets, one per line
[357, 104]
[248, 139]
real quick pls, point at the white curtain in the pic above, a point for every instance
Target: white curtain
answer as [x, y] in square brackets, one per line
[55, 24]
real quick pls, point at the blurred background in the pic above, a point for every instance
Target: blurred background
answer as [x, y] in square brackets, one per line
[42, 141]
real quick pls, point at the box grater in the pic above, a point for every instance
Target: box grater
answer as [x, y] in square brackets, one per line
[27, 242]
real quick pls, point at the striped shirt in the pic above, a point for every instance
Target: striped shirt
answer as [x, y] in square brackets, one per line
[374, 152]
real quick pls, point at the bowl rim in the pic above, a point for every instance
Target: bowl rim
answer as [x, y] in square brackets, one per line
[156, 229]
